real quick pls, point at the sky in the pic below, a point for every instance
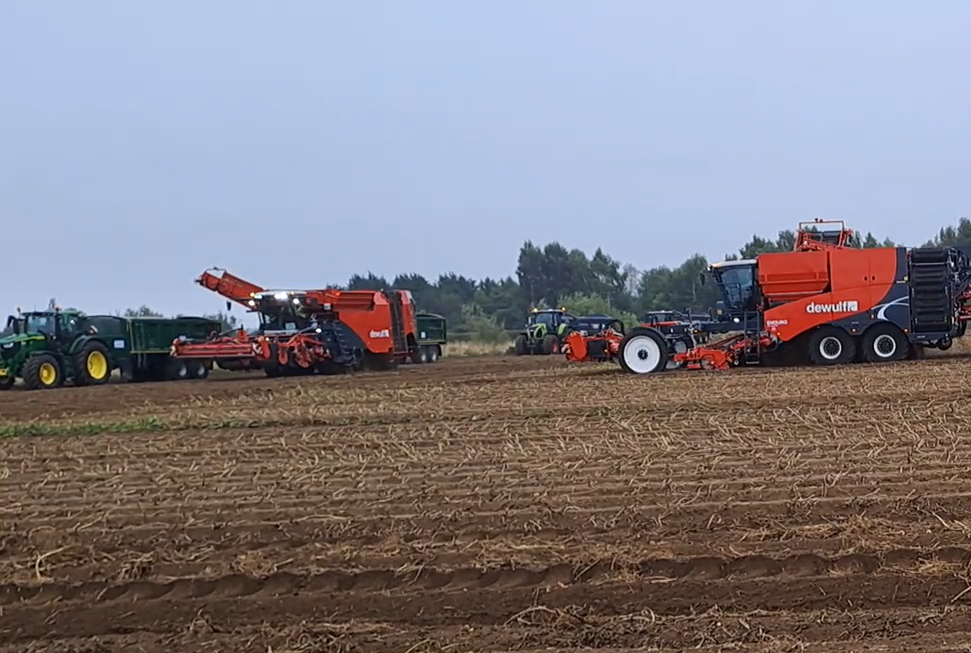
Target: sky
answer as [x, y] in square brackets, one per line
[298, 142]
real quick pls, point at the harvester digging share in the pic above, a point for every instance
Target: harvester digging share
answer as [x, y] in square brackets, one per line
[826, 302]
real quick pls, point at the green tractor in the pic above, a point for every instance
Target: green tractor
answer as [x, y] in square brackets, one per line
[544, 332]
[48, 348]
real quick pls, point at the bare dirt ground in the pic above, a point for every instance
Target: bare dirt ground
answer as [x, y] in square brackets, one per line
[492, 505]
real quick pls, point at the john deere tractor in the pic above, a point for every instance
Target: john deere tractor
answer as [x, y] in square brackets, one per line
[544, 332]
[47, 348]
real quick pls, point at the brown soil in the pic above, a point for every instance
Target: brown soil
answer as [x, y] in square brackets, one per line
[493, 505]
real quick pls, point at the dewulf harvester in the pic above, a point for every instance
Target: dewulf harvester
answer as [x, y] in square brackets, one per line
[308, 331]
[825, 301]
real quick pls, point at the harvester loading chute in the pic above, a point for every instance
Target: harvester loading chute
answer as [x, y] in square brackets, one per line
[229, 286]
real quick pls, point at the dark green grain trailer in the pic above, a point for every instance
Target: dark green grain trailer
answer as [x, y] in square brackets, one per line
[432, 336]
[48, 348]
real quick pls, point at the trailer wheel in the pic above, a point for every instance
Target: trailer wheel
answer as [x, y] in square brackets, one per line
[43, 372]
[831, 346]
[92, 365]
[199, 370]
[433, 353]
[178, 370]
[643, 351]
[883, 343]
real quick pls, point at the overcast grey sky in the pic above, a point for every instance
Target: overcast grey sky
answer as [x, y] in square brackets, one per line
[299, 141]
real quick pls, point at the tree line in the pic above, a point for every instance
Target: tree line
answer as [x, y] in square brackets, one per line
[554, 276]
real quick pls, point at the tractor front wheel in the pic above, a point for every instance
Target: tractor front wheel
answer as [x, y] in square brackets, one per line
[551, 345]
[522, 347]
[92, 365]
[6, 383]
[43, 372]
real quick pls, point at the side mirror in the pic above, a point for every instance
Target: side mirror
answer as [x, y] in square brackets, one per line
[229, 305]
[701, 278]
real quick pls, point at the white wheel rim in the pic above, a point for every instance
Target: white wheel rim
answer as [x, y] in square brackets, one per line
[183, 370]
[433, 356]
[885, 345]
[642, 354]
[830, 342]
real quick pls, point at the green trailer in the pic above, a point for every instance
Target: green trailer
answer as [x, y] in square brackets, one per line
[46, 349]
[432, 336]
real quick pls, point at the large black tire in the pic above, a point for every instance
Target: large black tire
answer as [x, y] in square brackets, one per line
[198, 370]
[6, 383]
[177, 370]
[43, 372]
[884, 343]
[643, 351]
[550, 345]
[831, 345]
[92, 364]
[433, 353]
[522, 347]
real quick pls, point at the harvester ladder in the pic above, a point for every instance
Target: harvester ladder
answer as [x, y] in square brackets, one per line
[931, 304]
[397, 323]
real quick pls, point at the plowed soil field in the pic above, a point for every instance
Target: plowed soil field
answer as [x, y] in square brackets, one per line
[493, 505]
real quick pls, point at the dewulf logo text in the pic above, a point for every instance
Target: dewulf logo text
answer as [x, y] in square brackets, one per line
[384, 333]
[851, 306]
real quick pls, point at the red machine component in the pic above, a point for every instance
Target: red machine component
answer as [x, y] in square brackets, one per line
[812, 236]
[598, 347]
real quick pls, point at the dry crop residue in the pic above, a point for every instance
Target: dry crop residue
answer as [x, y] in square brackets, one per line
[507, 504]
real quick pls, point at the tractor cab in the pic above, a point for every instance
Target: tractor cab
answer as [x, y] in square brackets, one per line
[552, 320]
[52, 325]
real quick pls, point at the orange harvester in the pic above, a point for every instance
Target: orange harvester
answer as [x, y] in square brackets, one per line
[826, 301]
[307, 331]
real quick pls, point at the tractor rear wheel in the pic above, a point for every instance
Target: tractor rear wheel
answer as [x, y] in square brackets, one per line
[883, 343]
[522, 347]
[92, 365]
[643, 351]
[831, 345]
[43, 372]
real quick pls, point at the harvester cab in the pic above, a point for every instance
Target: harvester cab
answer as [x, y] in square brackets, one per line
[544, 332]
[281, 312]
